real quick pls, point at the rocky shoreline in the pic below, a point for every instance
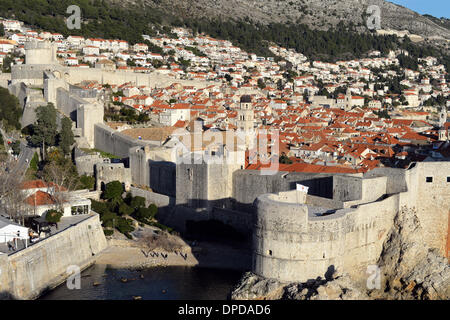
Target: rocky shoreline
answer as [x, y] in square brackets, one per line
[138, 253]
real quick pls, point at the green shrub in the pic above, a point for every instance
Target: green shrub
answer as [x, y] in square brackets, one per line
[108, 224]
[113, 190]
[128, 235]
[108, 232]
[53, 216]
[144, 214]
[137, 202]
[124, 225]
[15, 146]
[34, 162]
[99, 207]
[128, 198]
[124, 209]
[153, 209]
[108, 216]
[87, 182]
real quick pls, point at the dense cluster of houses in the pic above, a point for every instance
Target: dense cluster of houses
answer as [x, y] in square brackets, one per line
[340, 115]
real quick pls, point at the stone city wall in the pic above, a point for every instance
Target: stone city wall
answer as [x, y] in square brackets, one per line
[431, 200]
[159, 200]
[4, 79]
[109, 172]
[290, 244]
[27, 273]
[152, 80]
[111, 141]
[249, 184]
[86, 163]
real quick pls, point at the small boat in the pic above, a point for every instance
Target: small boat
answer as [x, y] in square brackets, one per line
[137, 298]
[124, 280]
[96, 284]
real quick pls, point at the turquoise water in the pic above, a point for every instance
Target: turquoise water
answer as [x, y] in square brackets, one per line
[159, 283]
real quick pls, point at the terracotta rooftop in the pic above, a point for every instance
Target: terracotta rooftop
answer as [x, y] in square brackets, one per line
[40, 198]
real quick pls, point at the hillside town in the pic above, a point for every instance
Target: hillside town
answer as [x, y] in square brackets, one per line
[347, 136]
[358, 114]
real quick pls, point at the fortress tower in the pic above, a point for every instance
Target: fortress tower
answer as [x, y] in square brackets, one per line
[297, 239]
[40, 52]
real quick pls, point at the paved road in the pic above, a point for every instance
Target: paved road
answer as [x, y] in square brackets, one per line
[25, 156]
[23, 162]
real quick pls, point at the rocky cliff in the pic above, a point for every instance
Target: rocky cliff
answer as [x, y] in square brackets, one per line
[318, 14]
[409, 271]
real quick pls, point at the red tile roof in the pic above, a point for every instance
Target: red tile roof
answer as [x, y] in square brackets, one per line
[40, 198]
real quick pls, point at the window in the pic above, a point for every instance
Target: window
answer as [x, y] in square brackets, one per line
[269, 252]
[429, 179]
[448, 179]
[78, 210]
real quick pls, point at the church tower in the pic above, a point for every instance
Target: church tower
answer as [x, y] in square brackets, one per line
[348, 100]
[246, 121]
[246, 115]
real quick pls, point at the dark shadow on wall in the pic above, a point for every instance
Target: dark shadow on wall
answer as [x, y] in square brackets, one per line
[320, 187]
[221, 229]
[6, 295]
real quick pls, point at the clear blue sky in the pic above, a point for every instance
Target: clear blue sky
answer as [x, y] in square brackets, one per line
[437, 8]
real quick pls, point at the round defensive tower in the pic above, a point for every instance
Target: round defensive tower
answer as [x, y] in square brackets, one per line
[279, 227]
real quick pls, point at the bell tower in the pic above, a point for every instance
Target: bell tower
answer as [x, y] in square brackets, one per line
[246, 121]
[246, 115]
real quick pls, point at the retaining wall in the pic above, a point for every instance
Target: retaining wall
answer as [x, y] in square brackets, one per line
[28, 273]
[111, 141]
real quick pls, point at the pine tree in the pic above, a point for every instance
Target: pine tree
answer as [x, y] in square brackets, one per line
[66, 138]
[45, 128]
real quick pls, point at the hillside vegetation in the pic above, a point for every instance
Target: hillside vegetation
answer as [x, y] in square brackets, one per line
[129, 20]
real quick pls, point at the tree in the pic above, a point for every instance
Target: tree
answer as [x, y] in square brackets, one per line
[145, 213]
[53, 216]
[63, 173]
[125, 226]
[45, 128]
[2, 30]
[280, 85]
[113, 190]
[324, 92]
[7, 61]
[137, 202]
[66, 137]
[15, 146]
[285, 160]
[10, 111]
[11, 196]
[153, 209]
[261, 83]
[125, 210]
[87, 182]
[34, 162]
